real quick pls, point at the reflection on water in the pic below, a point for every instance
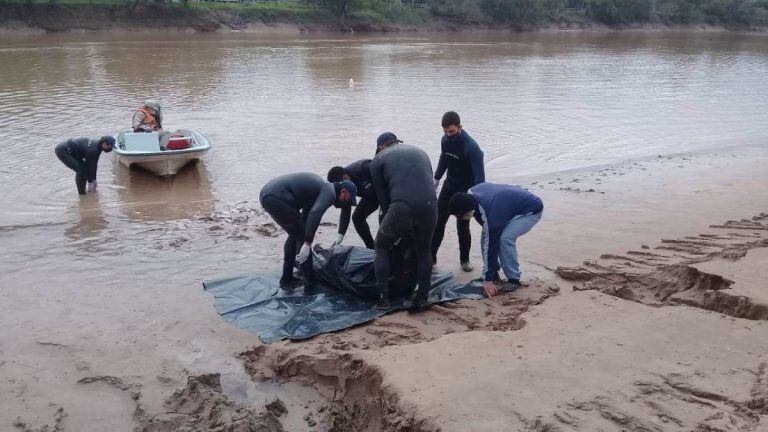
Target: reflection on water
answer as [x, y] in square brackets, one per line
[143, 196]
[535, 103]
[91, 220]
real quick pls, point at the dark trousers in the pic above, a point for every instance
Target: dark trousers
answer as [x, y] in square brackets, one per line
[399, 219]
[292, 221]
[365, 207]
[462, 226]
[73, 163]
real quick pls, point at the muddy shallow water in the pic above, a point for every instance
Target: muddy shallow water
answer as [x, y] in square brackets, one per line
[535, 102]
[110, 284]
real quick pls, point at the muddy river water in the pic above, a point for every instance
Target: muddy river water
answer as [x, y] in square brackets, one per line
[119, 272]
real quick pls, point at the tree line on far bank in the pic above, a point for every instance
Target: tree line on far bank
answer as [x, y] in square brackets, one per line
[535, 13]
[517, 14]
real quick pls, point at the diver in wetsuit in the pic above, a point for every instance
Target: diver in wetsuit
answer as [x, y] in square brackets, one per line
[402, 177]
[462, 159]
[81, 155]
[360, 174]
[297, 202]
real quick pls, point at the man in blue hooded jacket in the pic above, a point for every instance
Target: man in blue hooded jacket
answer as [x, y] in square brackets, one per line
[505, 212]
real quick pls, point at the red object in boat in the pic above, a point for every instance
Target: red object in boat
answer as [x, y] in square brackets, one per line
[178, 142]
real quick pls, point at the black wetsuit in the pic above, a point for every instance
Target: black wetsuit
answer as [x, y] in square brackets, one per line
[402, 177]
[297, 203]
[463, 159]
[360, 174]
[81, 155]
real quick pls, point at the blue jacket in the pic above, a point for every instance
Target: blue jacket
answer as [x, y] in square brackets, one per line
[496, 205]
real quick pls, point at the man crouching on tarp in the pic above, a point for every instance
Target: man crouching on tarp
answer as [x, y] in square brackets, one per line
[402, 178]
[297, 202]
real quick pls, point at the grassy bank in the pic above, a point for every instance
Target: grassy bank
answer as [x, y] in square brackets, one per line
[381, 15]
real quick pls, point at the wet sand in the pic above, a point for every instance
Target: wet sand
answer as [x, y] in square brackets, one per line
[660, 325]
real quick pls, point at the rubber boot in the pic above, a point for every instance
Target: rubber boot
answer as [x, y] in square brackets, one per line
[420, 301]
[384, 303]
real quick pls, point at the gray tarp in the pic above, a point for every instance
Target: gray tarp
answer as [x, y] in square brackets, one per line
[343, 296]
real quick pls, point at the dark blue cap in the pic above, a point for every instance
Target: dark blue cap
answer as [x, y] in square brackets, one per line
[349, 186]
[386, 138]
[109, 141]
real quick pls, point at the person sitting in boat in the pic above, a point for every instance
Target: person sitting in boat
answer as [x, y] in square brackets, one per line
[148, 118]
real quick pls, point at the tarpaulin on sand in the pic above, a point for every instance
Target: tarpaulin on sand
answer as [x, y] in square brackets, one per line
[343, 295]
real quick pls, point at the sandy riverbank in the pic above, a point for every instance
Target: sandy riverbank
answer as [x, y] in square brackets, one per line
[671, 335]
[668, 336]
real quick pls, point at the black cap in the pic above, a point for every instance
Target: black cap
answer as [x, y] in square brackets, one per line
[109, 140]
[461, 203]
[386, 138]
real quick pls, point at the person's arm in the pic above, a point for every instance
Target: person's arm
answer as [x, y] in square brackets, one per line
[492, 254]
[479, 218]
[380, 185]
[346, 215]
[324, 200]
[91, 162]
[476, 161]
[138, 117]
[441, 167]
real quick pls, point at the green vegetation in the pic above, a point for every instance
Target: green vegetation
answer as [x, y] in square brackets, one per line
[532, 13]
[270, 12]
[383, 14]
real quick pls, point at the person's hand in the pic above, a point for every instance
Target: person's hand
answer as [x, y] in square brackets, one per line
[436, 182]
[303, 255]
[339, 239]
[490, 289]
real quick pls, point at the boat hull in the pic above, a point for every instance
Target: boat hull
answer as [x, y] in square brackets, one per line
[162, 165]
[143, 150]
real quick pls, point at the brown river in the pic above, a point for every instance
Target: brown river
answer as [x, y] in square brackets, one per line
[119, 272]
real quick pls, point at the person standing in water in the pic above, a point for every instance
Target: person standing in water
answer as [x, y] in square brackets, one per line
[81, 155]
[297, 203]
[402, 178]
[462, 159]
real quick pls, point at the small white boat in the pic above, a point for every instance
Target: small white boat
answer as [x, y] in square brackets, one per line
[145, 150]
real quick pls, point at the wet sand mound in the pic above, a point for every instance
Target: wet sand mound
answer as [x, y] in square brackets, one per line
[202, 406]
[238, 222]
[357, 398]
[670, 275]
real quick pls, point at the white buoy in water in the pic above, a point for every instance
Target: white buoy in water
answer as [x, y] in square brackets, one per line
[351, 83]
